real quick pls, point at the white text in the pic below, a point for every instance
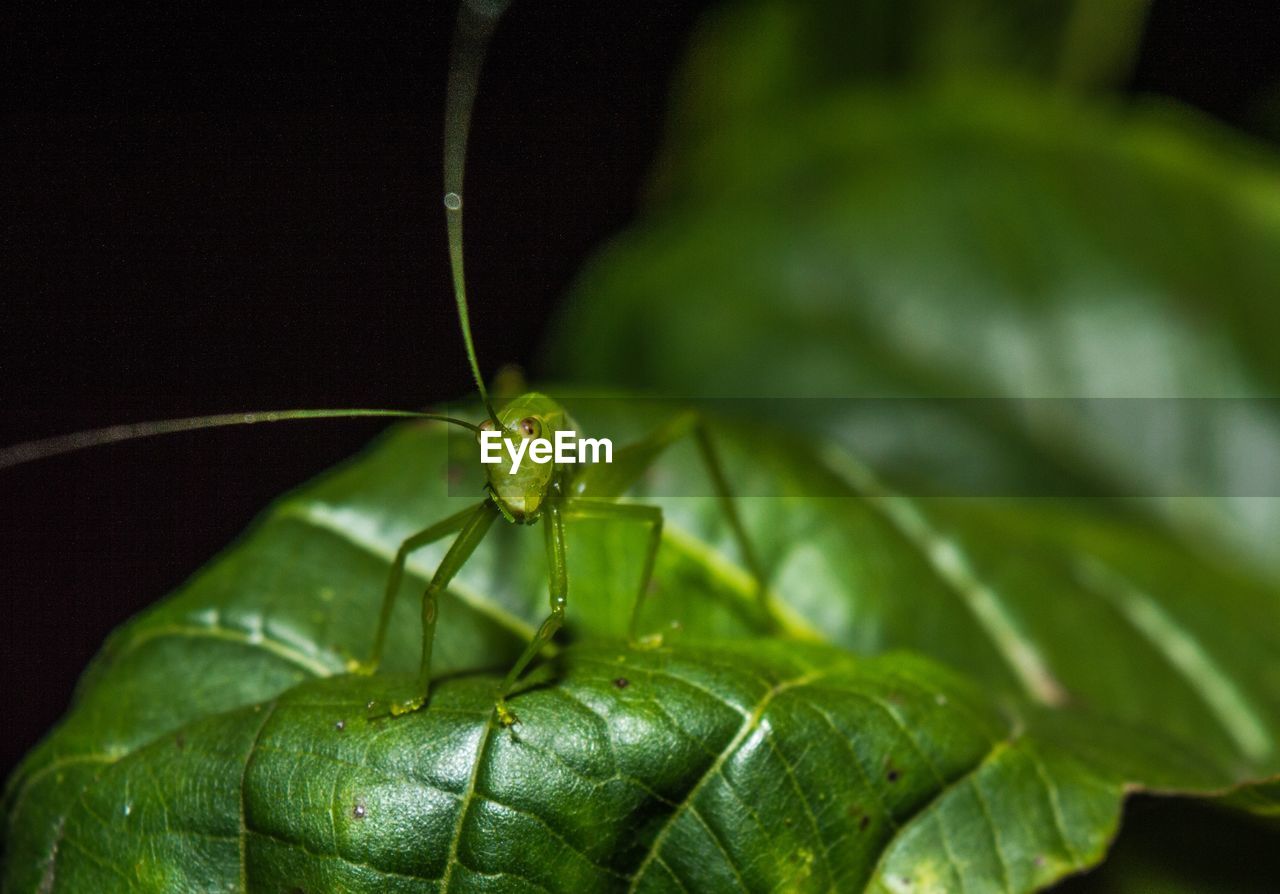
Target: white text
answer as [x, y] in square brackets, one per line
[566, 448]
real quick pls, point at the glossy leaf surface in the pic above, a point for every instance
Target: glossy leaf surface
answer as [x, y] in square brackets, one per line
[204, 751]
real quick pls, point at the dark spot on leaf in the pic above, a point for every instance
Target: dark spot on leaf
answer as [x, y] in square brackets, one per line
[340, 725]
[359, 811]
[864, 822]
[622, 682]
[892, 775]
[180, 741]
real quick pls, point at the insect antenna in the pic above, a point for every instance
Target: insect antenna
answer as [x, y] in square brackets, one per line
[476, 21]
[29, 451]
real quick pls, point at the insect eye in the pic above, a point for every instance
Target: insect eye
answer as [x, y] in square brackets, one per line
[487, 425]
[530, 427]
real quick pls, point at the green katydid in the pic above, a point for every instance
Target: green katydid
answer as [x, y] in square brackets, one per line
[550, 492]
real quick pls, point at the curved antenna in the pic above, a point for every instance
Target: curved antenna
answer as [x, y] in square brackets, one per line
[29, 451]
[476, 20]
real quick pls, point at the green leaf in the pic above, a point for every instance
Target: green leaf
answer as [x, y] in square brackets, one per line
[205, 742]
[959, 242]
[759, 57]
[821, 238]
[956, 238]
[711, 764]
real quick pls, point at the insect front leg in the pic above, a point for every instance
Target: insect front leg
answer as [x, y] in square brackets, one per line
[425, 537]
[605, 510]
[472, 524]
[559, 593]
[473, 531]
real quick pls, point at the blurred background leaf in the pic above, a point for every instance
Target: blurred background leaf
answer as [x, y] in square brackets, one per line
[757, 58]
[960, 236]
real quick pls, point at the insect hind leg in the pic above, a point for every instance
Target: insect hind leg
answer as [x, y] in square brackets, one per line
[608, 481]
[604, 510]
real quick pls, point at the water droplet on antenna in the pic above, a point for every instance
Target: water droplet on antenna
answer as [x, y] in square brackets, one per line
[453, 201]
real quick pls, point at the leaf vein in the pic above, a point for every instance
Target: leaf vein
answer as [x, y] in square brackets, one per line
[464, 808]
[749, 724]
[948, 563]
[1186, 655]
[243, 844]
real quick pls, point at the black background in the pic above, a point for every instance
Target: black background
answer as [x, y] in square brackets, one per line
[227, 208]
